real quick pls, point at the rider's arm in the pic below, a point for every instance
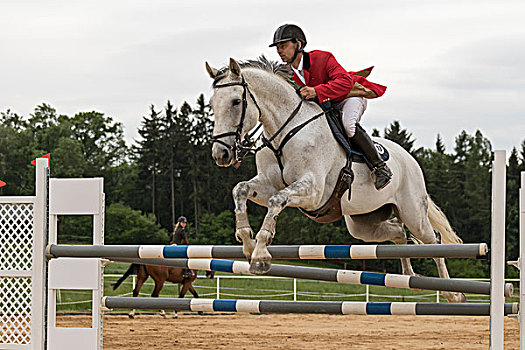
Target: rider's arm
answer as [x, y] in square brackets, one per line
[185, 237]
[339, 83]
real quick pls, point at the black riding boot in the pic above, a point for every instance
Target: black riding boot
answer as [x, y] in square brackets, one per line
[381, 174]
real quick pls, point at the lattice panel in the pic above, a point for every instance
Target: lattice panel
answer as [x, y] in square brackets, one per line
[16, 236]
[16, 245]
[15, 310]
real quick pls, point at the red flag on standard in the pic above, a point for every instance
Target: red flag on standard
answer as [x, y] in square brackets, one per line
[2, 184]
[47, 156]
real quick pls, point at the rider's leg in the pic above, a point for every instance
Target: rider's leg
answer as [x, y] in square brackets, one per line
[353, 109]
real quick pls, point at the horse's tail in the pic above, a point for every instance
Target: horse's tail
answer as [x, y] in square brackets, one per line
[133, 268]
[440, 223]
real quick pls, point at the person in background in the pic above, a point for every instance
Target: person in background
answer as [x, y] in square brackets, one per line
[179, 233]
[179, 237]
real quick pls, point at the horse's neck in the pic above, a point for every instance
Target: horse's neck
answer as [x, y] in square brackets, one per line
[277, 101]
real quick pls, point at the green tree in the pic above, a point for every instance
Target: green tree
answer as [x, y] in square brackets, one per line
[148, 157]
[127, 226]
[512, 208]
[102, 141]
[471, 168]
[69, 159]
[399, 135]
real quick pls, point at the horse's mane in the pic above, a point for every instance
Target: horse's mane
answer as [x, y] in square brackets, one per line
[282, 70]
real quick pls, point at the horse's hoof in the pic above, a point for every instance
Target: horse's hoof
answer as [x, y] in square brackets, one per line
[453, 297]
[175, 316]
[458, 298]
[248, 243]
[200, 313]
[131, 316]
[260, 267]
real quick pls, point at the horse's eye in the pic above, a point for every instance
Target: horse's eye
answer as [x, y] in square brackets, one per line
[236, 102]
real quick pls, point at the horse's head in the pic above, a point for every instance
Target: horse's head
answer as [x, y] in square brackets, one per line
[235, 109]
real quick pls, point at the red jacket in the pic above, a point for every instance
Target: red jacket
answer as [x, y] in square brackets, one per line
[332, 82]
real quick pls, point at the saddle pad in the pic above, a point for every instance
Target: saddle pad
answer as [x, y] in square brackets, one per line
[357, 157]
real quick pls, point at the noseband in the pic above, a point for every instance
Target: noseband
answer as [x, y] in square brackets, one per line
[239, 144]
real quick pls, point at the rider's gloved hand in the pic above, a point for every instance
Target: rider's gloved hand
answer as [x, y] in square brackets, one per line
[308, 92]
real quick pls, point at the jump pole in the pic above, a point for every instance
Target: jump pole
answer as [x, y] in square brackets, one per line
[317, 307]
[472, 250]
[329, 275]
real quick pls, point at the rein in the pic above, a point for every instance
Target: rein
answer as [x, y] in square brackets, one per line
[245, 144]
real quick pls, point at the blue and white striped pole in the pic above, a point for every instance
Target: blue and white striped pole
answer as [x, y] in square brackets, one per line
[318, 307]
[278, 252]
[330, 275]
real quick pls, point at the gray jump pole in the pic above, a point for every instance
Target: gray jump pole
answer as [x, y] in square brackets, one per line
[330, 275]
[314, 307]
[278, 252]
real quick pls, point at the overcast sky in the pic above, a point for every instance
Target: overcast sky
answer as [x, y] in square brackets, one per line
[449, 65]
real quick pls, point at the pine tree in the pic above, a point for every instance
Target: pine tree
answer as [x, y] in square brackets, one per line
[472, 192]
[440, 146]
[170, 115]
[522, 156]
[147, 153]
[399, 135]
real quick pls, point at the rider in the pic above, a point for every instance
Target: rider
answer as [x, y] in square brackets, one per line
[324, 79]
[179, 234]
[179, 237]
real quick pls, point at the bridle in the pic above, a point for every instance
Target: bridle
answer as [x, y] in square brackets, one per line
[247, 144]
[239, 144]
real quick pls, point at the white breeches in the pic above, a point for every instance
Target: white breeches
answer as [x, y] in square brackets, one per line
[353, 108]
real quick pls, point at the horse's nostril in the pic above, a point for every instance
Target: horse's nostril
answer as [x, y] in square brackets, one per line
[225, 154]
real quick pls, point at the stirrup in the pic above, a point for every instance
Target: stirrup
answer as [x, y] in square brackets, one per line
[378, 172]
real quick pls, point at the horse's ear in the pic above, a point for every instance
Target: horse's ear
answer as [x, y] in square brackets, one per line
[211, 71]
[235, 69]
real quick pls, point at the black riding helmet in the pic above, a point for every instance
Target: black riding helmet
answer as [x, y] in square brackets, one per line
[288, 32]
[182, 219]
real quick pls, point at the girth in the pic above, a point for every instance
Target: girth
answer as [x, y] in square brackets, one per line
[331, 211]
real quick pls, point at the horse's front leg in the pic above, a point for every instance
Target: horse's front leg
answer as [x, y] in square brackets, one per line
[259, 190]
[300, 193]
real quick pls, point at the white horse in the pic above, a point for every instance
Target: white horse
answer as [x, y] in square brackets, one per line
[259, 91]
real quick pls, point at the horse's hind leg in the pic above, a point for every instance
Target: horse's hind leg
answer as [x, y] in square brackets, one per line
[158, 287]
[193, 291]
[415, 218]
[141, 278]
[186, 284]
